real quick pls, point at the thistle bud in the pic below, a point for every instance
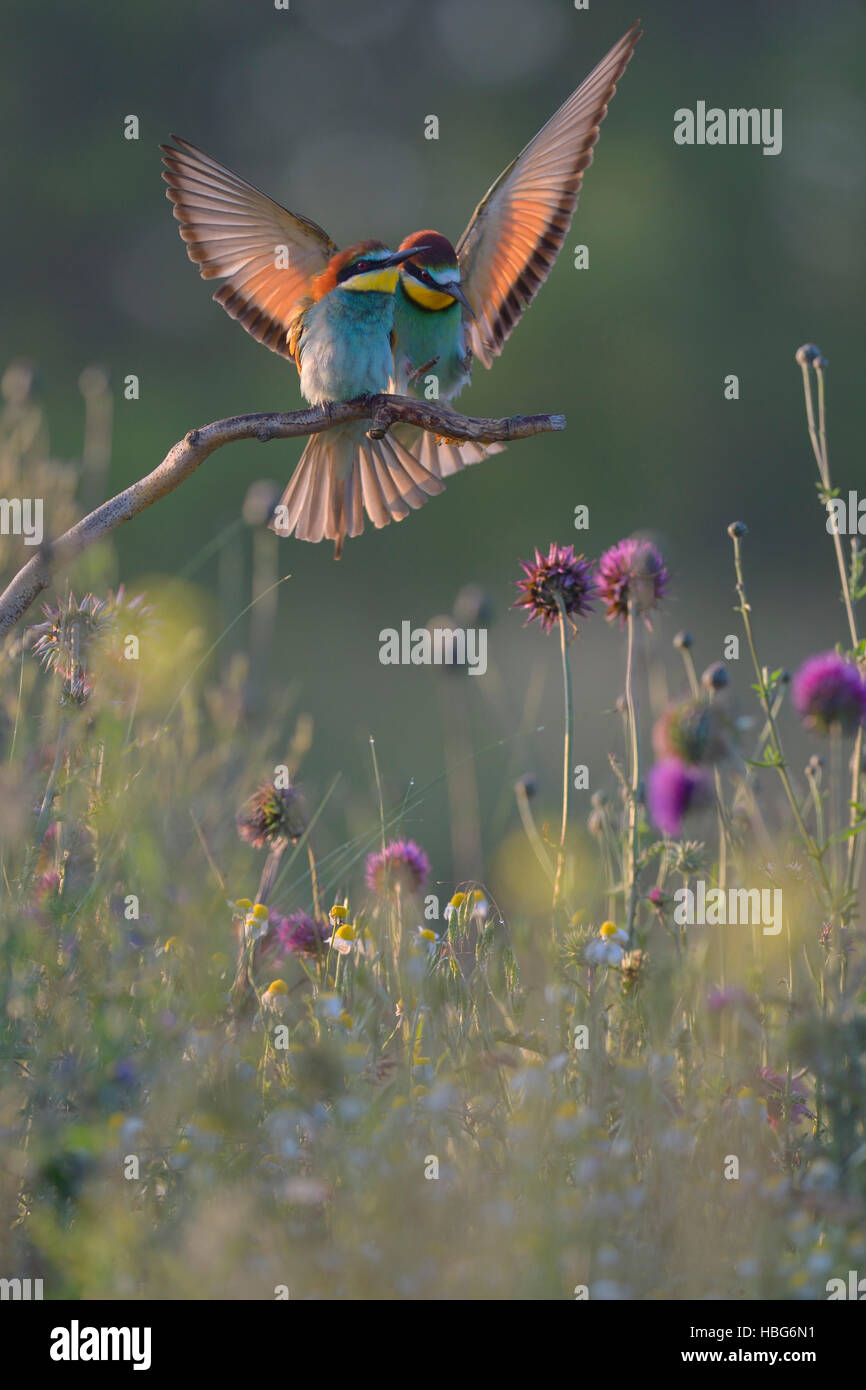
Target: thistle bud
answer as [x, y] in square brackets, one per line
[716, 677]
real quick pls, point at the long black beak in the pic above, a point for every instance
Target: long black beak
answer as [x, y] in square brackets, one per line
[400, 256]
[454, 288]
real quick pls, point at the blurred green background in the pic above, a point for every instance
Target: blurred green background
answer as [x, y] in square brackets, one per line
[703, 262]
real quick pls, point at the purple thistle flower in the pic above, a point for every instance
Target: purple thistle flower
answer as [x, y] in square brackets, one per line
[46, 886]
[773, 1082]
[296, 935]
[827, 691]
[632, 572]
[674, 789]
[733, 997]
[401, 864]
[559, 577]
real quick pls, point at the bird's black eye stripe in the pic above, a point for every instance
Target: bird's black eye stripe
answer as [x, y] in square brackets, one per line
[419, 273]
[355, 268]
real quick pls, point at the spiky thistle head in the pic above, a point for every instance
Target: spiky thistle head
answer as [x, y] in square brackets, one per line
[297, 935]
[76, 633]
[673, 790]
[401, 864]
[829, 691]
[555, 583]
[69, 626]
[631, 575]
[781, 1098]
[692, 730]
[271, 814]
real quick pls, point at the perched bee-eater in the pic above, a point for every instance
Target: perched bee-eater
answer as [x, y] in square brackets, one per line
[453, 305]
[367, 319]
[331, 312]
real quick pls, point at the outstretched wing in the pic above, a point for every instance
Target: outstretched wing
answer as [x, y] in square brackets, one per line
[517, 230]
[267, 254]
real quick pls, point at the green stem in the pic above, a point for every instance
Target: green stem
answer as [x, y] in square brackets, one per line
[817, 803]
[691, 672]
[775, 741]
[378, 789]
[855, 801]
[531, 830]
[566, 751]
[723, 865]
[819, 448]
[633, 810]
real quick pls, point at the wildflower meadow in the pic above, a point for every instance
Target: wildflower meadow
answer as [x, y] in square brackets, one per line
[432, 678]
[257, 1045]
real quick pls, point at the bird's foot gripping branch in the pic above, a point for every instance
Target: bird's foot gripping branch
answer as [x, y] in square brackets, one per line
[383, 411]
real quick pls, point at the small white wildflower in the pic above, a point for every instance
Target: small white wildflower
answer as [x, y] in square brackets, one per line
[607, 947]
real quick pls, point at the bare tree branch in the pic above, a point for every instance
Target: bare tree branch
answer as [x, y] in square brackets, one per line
[383, 411]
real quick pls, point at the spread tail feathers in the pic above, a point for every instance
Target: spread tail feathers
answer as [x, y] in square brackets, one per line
[443, 459]
[341, 475]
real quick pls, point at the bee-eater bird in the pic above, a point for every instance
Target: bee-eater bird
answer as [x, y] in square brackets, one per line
[331, 312]
[337, 317]
[456, 304]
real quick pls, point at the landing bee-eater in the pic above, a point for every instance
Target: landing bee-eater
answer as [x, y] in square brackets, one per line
[331, 312]
[456, 304]
[367, 319]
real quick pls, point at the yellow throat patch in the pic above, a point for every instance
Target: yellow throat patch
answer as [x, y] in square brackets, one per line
[423, 295]
[384, 280]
